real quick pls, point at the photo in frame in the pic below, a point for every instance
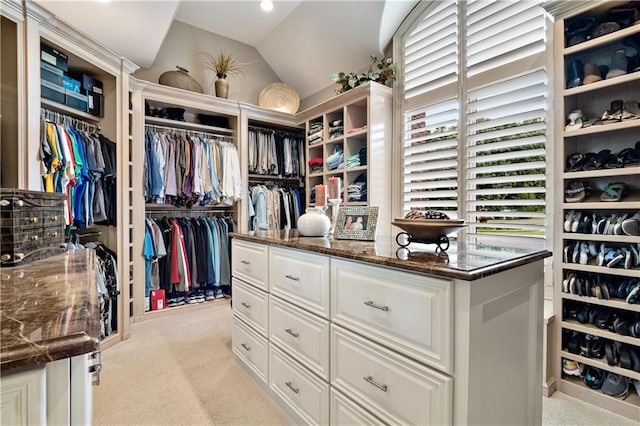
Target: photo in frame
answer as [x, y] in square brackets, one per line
[356, 223]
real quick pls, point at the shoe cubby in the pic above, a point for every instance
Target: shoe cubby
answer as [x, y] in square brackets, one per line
[597, 129]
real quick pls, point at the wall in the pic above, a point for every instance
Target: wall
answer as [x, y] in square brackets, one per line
[181, 47]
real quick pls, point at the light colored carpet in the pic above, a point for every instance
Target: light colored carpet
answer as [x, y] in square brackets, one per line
[178, 369]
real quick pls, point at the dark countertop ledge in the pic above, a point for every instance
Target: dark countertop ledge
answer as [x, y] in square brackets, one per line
[462, 260]
[48, 310]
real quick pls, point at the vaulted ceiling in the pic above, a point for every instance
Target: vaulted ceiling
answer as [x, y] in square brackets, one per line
[299, 39]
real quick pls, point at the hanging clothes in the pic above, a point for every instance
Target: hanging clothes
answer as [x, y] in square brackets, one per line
[274, 208]
[276, 153]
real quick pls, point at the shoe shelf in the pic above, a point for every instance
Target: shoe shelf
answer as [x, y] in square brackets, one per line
[630, 202]
[609, 303]
[602, 364]
[628, 407]
[632, 273]
[629, 123]
[622, 171]
[64, 109]
[600, 237]
[602, 84]
[602, 41]
[600, 332]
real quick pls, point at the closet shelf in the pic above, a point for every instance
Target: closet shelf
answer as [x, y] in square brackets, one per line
[592, 329]
[593, 203]
[151, 207]
[187, 125]
[602, 128]
[633, 273]
[274, 178]
[68, 110]
[599, 237]
[611, 303]
[627, 407]
[601, 84]
[601, 363]
[601, 41]
[623, 171]
[358, 133]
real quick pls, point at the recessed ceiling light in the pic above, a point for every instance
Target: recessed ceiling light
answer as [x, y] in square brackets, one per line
[266, 5]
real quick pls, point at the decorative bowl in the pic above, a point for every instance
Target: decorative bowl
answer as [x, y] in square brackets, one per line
[280, 97]
[428, 229]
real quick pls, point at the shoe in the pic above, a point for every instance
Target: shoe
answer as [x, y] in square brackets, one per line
[634, 295]
[616, 386]
[570, 367]
[618, 64]
[209, 295]
[594, 377]
[591, 73]
[575, 73]
[218, 294]
[611, 352]
[631, 226]
[575, 121]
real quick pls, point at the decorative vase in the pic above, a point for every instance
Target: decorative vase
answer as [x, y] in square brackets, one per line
[222, 86]
[180, 79]
[314, 223]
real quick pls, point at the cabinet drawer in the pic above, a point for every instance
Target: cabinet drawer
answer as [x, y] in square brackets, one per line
[250, 263]
[391, 386]
[301, 334]
[301, 278]
[301, 391]
[410, 313]
[251, 305]
[252, 349]
[345, 412]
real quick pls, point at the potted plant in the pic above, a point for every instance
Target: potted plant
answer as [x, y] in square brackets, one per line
[381, 71]
[223, 65]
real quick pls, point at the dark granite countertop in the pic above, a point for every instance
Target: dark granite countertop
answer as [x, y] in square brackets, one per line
[48, 310]
[462, 260]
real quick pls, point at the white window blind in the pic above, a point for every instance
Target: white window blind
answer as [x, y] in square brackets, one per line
[506, 136]
[431, 158]
[431, 51]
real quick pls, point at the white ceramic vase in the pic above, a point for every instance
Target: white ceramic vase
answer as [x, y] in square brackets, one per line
[314, 223]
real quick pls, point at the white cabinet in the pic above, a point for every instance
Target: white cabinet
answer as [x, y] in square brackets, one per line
[345, 412]
[21, 398]
[395, 388]
[252, 349]
[252, 306]
[301, 278]
[407, 312]
[250, 263]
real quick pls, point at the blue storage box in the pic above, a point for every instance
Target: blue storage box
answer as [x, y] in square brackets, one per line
[76, 100]
[51, 73]
[51, 91]
[70, 84]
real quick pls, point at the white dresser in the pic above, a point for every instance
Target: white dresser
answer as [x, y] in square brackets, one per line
[337, 340]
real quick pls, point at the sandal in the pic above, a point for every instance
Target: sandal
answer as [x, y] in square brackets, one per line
[575, 120]
[631, 110]
[577, 191]
[614, 192]
[599, 160]
[575, 162]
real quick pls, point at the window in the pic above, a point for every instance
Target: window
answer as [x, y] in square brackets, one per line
[474, 113]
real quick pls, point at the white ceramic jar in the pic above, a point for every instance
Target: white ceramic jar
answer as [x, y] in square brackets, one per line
[314, 223]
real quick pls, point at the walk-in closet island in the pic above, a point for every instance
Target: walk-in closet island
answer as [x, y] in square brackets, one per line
[353, 332]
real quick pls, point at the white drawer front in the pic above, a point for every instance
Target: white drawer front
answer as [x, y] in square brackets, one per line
[252, 349]
[393, 387]
[250, 262]
[301, 278]
[304, 393]
[251, 305]
[410, 313]
[345, 412]
[301, 334]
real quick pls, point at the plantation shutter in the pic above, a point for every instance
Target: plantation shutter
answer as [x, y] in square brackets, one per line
[506, 119]
[430, 128]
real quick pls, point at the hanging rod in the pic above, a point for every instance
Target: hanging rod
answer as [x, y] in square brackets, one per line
[188, 132]
[67, 120]
[283, 132]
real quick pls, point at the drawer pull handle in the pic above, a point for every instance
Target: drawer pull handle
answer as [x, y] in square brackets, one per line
[291, 332]
[292, 278]
[53, 234]
[370, 380]
[373, 305]
[246, 305]
[54, 218]
[34, 238]
[293, 388]
[33, 220]
[245, 262]
[245, 346]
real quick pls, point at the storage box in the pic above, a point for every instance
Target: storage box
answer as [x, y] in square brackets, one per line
[54, 57]
[96, 104]
[158, 300]
[76, 100]
[71, 84]
[52, 91]
[50, 73]
[91, 85]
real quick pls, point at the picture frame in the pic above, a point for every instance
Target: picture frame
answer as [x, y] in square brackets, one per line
[356, 223]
